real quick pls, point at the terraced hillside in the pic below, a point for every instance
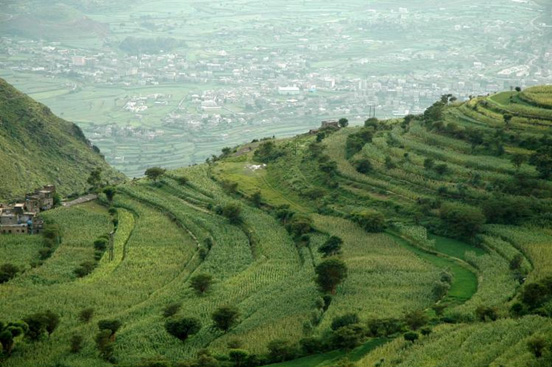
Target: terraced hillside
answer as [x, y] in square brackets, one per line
[441, 221]
[38, 148]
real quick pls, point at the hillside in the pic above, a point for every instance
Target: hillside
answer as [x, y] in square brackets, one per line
[444, 221]
[38, 148]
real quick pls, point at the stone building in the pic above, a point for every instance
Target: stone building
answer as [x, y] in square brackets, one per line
[21, 218]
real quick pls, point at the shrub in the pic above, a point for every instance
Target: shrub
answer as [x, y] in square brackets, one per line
[384, 327]
[348, 337]
[536, 345]
[411, 336]
[370, 220]
[232, 211]
[345, 320]
[299, 225]
[311, 345]
[100, 244]
[85, 268]
[280, 350]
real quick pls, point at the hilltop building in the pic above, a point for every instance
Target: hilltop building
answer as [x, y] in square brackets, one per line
[22, 218]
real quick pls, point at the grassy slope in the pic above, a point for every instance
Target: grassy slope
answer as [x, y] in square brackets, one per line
[257, 266]
[38, 148]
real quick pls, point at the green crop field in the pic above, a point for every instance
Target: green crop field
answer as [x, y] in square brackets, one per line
[442, 235]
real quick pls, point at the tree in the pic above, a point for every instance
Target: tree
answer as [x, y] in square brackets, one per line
[363, 166]
[109, 192]
[484, 313]
[225, 317]
[331, 247]
[267, 152]
[518, 159]
[232, 211]
[8, 333]
[238, 356]
[462, 220]
[280, 350]
[153, 173]
[257, 199]
[330, 273]
[343, 122]
[415, 319]
[7, 272]
[389, 164]
[41, 323]
[183, 327]
[111, 325]
[372, 122]
[182, 180]
[299, 225]
[355, 142]
[435, 112]
[370, 220]
[201, 282]
[310, 345]
[95, 178]
[518, 89]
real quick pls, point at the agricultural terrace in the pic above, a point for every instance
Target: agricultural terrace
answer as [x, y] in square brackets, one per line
[412, 242]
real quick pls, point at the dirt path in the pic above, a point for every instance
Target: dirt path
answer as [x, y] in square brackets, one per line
[81, 200]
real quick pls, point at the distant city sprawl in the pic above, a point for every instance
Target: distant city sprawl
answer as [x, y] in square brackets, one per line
[172, 87]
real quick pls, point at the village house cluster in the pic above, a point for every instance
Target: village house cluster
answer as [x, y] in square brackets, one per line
[22, 217]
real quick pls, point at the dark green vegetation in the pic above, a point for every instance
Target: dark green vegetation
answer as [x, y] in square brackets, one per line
[289, 251]
[38, 148]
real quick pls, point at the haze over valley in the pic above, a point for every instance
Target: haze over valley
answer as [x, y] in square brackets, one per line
[172, 82]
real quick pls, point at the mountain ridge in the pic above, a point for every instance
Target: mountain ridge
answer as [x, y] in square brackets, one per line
[39, 148]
